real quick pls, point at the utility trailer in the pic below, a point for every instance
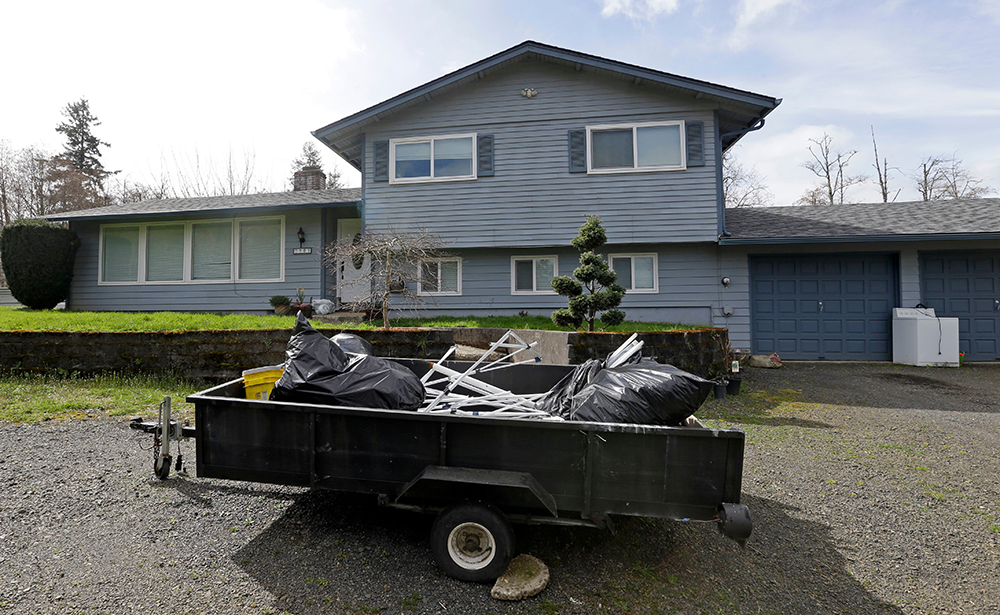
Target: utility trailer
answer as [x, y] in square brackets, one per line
[477, 472]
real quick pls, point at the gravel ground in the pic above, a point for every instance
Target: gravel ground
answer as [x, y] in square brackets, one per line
[873, 488]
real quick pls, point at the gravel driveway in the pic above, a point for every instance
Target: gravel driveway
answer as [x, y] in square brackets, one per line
[874, 489]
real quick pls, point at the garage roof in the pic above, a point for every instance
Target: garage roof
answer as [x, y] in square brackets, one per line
[909, 221]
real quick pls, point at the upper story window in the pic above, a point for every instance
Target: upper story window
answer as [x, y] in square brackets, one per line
[636, 272]
[203, 251]
[426, 159]
[532, 275]
[440, 276]
[624, 148]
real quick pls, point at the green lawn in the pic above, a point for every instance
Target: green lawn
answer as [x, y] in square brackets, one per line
[31, 398]
[23, 319]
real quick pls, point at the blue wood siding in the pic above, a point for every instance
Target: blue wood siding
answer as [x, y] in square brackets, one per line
[687, 277]
[301, 271]
[533, 200]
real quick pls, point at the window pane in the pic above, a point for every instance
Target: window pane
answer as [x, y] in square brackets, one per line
[429, 277]
[212, 251]
[544, 272]
[413, 159]
[449, 276]
[120, 258]
[453, 157]
[644, 272]
[522, 275]
[260, 250]
[612, 149]
[165, 253]
[623, 267]
[659, 146]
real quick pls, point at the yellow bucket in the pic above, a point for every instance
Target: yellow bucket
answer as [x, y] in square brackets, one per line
[260, 381]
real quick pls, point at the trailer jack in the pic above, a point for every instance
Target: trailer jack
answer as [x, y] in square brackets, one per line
[162, 437]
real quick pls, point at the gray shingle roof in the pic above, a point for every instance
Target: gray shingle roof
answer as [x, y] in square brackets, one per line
[206, 204]
[909, 220]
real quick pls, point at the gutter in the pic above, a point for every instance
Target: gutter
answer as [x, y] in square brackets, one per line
[718, 147]
[858, 239]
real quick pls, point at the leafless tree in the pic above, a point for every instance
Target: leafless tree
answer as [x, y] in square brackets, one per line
[831, 167]
[883, 168]
[927, 177]
[194, 175]
[743, 186]
[940, 177]
[394, 261]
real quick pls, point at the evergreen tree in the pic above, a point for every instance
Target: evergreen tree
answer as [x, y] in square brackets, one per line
[311, 157]
[82, 148]
[594, 275]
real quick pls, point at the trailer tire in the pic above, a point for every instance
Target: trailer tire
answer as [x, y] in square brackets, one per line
[162, 467]
[472, 541]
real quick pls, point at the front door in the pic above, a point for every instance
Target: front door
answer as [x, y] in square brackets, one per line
[353, 283]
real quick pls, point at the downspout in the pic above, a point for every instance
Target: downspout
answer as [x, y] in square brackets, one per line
[718, 147]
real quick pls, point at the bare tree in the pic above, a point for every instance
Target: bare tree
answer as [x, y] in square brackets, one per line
[396, 263]
[955, 182]
[928, 177]
[743, 186]
[831, 167]
[195, 175]
[883, 168]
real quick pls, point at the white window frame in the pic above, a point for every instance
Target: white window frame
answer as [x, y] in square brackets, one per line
[632, 256]
[635, 148]
[534, 274]
[422, 180]
[438, 261]
[188, 224]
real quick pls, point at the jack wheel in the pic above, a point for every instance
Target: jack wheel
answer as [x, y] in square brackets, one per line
[162, 467]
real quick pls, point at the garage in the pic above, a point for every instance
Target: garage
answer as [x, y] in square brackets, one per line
[823, 306]
[965, 285]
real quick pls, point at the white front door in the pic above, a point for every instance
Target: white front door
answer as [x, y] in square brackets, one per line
[353, 284]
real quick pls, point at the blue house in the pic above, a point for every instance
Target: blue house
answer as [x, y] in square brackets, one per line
[504, 159]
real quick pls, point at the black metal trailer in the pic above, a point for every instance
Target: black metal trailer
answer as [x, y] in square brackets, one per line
[480, 472]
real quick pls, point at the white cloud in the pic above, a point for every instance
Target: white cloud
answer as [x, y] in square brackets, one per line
[749, 12]
[639, 10]
[990, 8]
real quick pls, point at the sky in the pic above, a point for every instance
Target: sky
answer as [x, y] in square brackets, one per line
[179, 82]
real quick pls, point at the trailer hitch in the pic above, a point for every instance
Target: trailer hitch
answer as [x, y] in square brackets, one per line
[164, 432]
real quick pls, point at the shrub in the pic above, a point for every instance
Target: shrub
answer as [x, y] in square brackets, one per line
[594, 276]
[38, 259]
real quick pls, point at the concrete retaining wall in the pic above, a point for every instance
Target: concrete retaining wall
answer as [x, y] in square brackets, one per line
[223, 355]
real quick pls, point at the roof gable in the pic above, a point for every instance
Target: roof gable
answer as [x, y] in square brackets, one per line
[739, 109]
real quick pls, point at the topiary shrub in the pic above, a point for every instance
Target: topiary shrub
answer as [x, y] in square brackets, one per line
[593, 275]
[38, 259]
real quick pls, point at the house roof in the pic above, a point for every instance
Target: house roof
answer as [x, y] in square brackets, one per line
[739, 109]
[909, 221]
[300, 199]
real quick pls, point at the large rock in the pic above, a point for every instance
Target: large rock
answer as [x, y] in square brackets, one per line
[771, 361]
[525, 577]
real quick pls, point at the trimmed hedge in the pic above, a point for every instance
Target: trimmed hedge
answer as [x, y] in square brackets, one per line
[38, 260]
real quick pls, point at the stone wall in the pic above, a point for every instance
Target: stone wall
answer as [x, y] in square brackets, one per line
[223, 355]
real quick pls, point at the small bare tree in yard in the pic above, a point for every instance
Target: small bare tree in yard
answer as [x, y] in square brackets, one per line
[939, 177]
[394, 263]
[831, 168]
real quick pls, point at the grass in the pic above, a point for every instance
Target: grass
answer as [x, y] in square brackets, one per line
[32, 398]
[24, 319]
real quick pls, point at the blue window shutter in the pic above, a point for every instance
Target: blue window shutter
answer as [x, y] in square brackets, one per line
[695, 144]
[578, 151]
[381, 156]
[484, 145]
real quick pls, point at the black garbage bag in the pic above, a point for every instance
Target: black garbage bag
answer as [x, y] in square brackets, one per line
[348, 342]
[642, 391]
[318, 371]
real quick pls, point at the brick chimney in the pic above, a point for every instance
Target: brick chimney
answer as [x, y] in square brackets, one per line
[309, 178]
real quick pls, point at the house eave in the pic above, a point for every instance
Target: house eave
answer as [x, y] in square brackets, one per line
[735, 241]
[194, 212]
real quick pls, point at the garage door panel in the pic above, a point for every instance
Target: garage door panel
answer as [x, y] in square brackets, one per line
[840, 305]
[966, 285]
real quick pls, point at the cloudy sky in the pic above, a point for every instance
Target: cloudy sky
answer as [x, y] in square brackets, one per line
[179, 81]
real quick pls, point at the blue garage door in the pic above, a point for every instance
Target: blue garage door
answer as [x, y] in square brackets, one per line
[965, 285]
[824, 306]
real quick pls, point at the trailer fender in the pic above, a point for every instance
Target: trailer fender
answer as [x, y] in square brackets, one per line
[454, 483]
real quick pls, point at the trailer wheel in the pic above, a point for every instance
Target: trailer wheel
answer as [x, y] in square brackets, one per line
[162, 467]
[472, 541]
